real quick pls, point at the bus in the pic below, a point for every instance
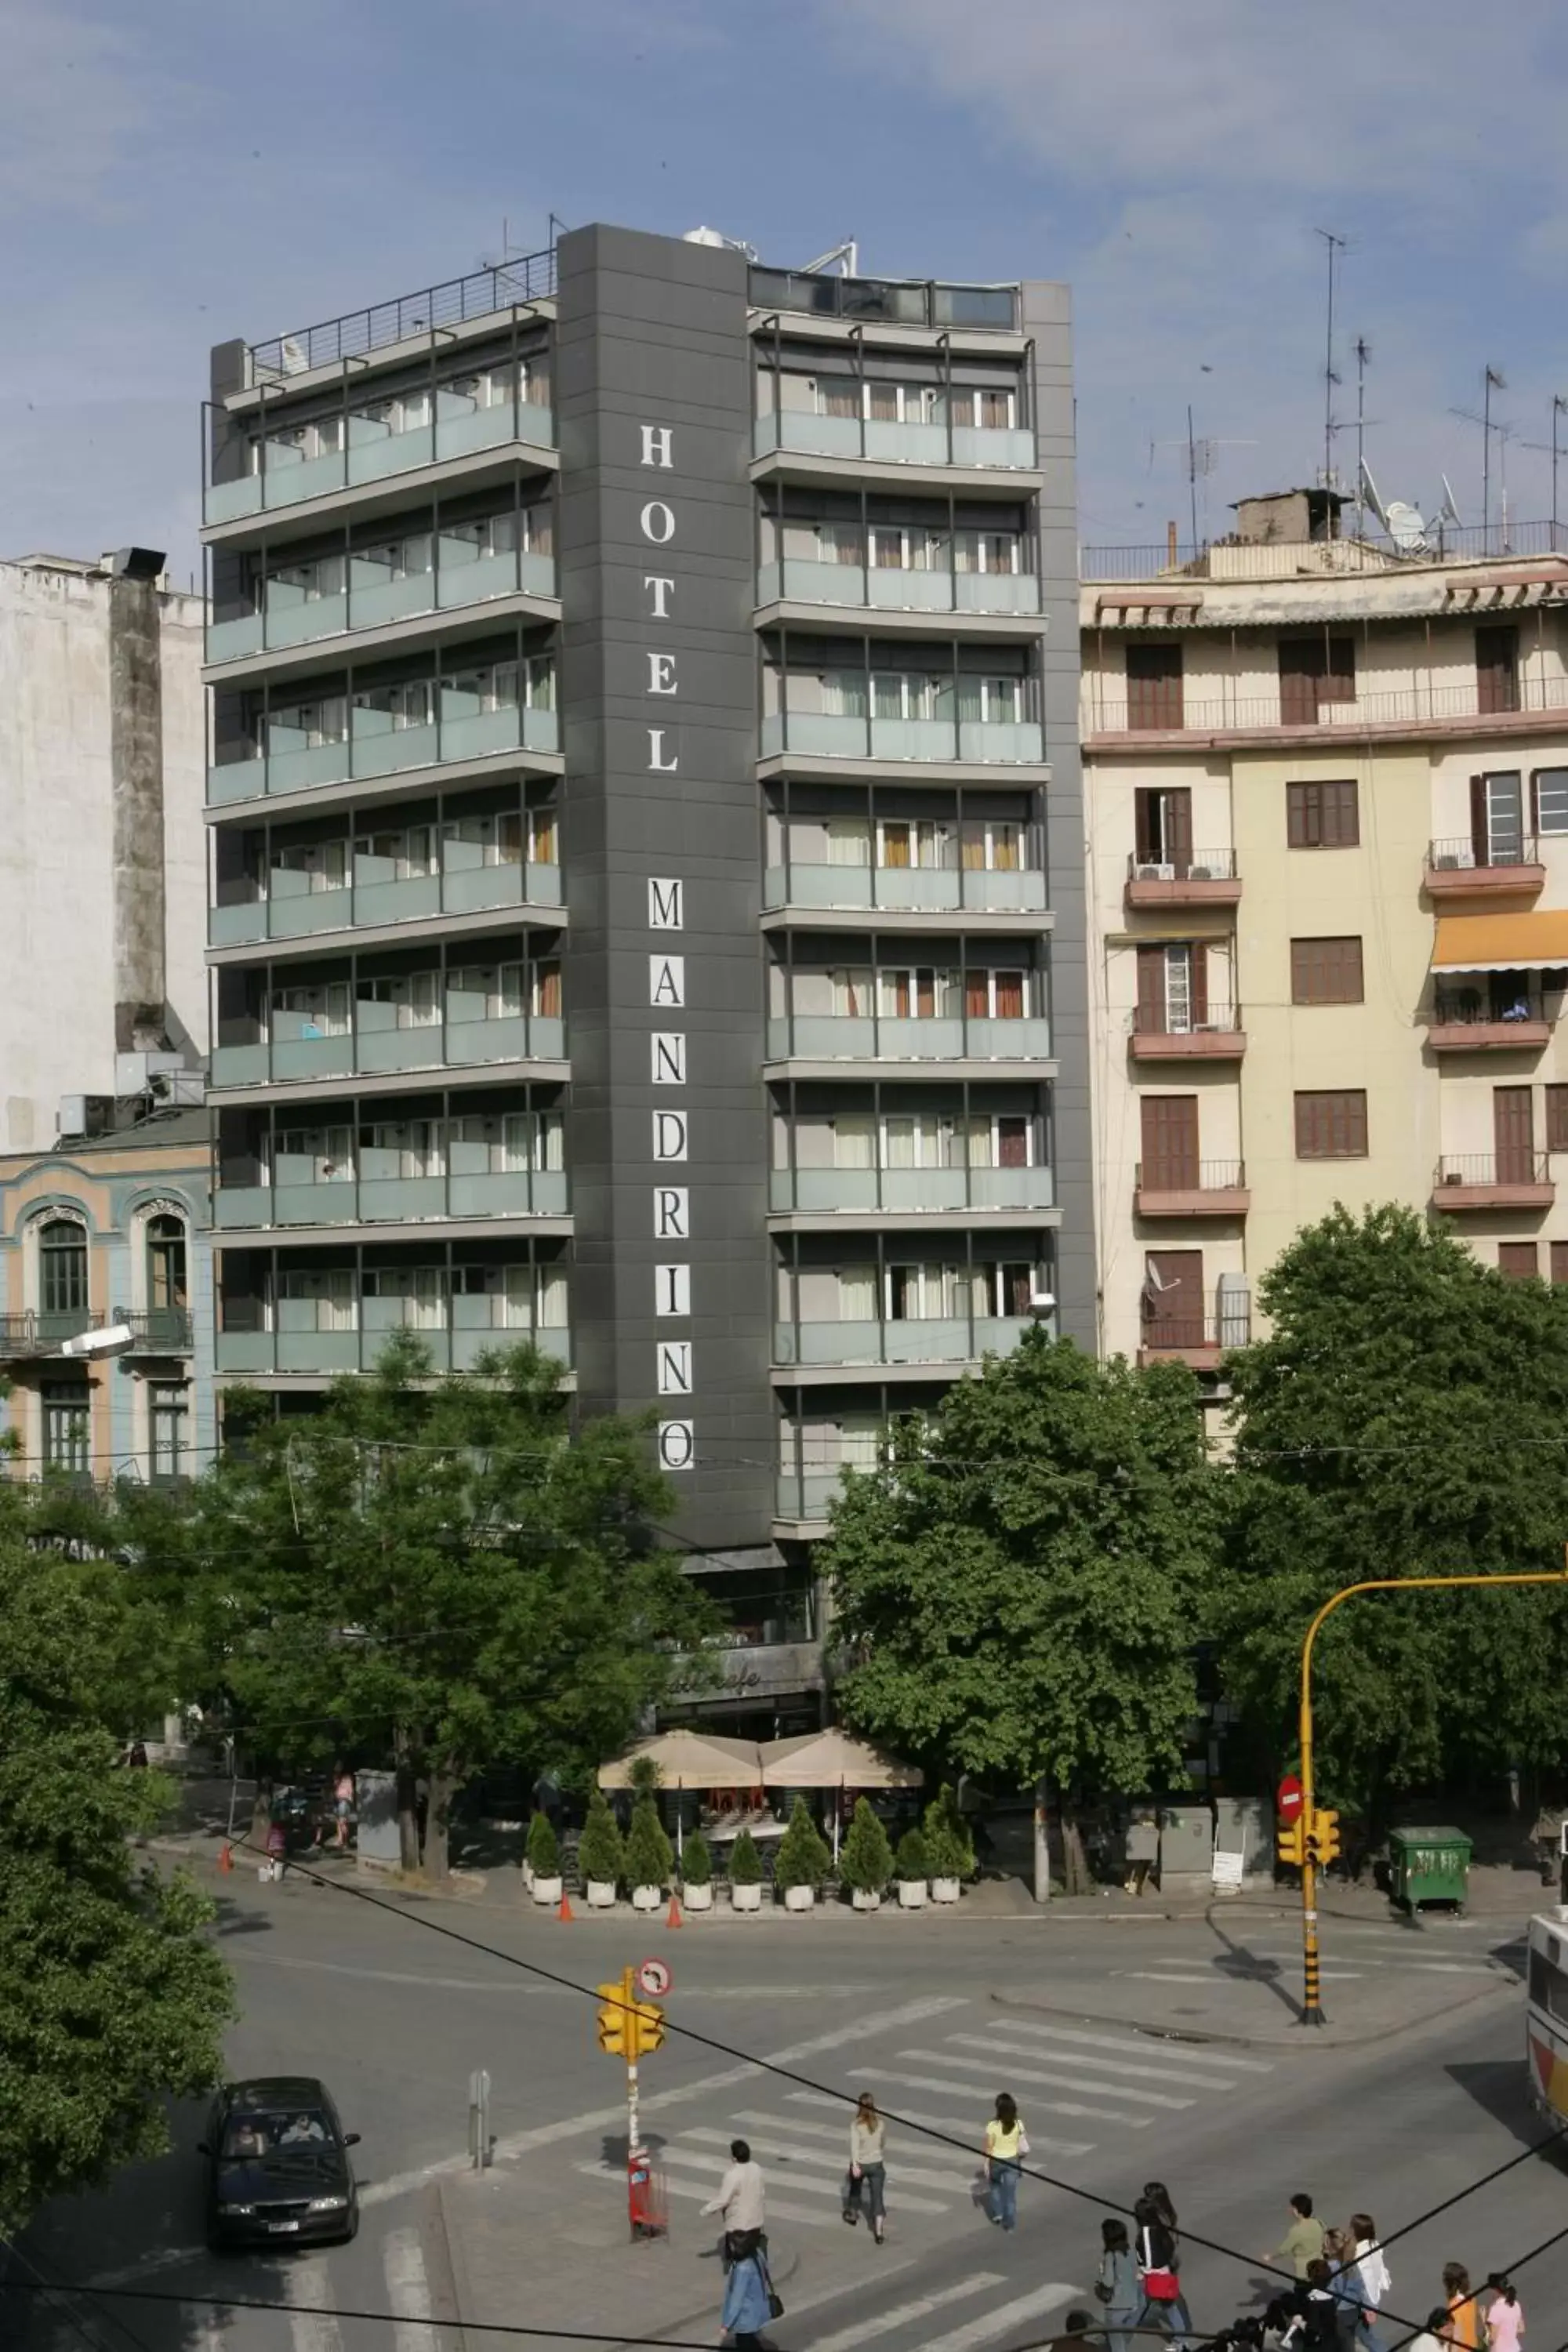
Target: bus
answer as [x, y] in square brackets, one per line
[1546, 2015]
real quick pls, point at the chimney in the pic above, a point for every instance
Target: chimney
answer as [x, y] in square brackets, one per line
[136, 783]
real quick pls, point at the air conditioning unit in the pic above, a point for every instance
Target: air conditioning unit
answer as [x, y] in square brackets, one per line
[1202, 873]
[1450, 862]
[134, 1073]
[1155, 874]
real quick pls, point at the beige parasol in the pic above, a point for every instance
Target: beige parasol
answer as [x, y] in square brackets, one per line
[831, 1759]
[690, 1759]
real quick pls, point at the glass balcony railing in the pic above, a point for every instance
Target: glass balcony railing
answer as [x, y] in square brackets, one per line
[293, 907]
[837, 1037]
[926, 1341]
[806, 1494]
[814, 734]
[875, 441]
[373, 1044]
[281, 477]
[374, 746]
[907, 1191]
[456, 1344]
[295, 1198]
[289, 619]
[908, 888]
[890, 589]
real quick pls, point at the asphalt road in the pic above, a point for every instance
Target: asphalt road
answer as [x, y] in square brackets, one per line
[395, 2018]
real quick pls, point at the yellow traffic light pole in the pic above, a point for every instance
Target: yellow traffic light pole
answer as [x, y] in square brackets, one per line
[1312, 1987]
[629, 2027]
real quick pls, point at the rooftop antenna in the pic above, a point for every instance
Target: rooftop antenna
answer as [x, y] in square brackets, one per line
[1363, 359]
[1559, 407]
[1200, 457]
[1334, 244]
[849, 254]
[1492, 380]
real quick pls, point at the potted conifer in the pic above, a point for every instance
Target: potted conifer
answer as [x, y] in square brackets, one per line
[543, 1861]
[913, 1867]
[745, 1873]
[648, 1859]
[601, 1853]
[696, 1874]
[866, 1861]
[949, 1847]
[802, 1860]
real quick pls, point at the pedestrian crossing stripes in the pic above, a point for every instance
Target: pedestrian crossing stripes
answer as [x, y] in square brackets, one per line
[907, 2315]
[408, 2291]
[1188, 2057]
[1049, 2077]
[961, 2128]
[306, 2280]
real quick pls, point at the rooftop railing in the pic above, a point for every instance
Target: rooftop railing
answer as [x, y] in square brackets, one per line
[528, 278]
[909, 301]
[1472, 544]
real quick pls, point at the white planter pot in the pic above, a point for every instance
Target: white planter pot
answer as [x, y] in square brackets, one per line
[647, 1898]
[527, 1872]
[699, 1898]
[912, 1894]
[745, 1899]
[944, 1890]
[545, 1890]
[866, 1898]
[799, 1898]
[601, 1894]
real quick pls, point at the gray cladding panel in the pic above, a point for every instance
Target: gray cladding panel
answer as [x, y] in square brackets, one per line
[659, 784]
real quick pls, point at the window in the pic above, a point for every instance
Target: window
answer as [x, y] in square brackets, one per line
[1325, 971]
[1513, 1133]
[62, 1267]
[1497, 669]
[1549, 788]
[1331, 1126]
[311, 1301]
[1163, 828]
[1170, 1135]
[1153, 686]
[993, 844]
[1518, 1261]
[321, 864]
[1314, 671]
[166, 1263]
[1172, 1301]
[1557, 1119]
[1497, 818]
[319, 1009]
[169, 1425]
[67, 1427]
[1323, 815]
[313, 1155]
[1172, 991]
[1559, 1260]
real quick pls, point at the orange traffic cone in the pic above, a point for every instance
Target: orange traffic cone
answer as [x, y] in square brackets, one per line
[672, 1919]
[565, 1911]
[225, 1859]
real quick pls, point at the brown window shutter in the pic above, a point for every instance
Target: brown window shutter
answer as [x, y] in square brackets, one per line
[1479, 819]
[1198, 956]
[1513, 1129]
[1298, 666]
[1560, 1261]
[1339, 680]
[1518, 1261]
[1179, 831]
[1173, 1299]
[1535, 802]
[1557, 1119]
[1151, 1015]
[1144, 824]
[1170, 1130]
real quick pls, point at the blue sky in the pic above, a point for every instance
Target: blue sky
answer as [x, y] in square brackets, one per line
[179, 172]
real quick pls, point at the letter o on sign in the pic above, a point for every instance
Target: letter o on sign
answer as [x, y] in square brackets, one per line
[657, 522]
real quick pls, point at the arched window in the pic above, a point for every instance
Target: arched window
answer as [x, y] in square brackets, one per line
[166, 1262]
[62, 1267]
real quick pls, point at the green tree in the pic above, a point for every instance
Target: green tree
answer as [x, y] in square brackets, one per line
[1405, 1416]
[745, 1861]
[948, 1842]
[111, 1998]
[443, 1573]
[1021, 1589]
[802, 1856]
[866, 1860]
[914, 1859]
[601, 1853]
[696, 1861]
[649, 1860]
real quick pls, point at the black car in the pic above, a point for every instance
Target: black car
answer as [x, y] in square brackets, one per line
[278, 2165]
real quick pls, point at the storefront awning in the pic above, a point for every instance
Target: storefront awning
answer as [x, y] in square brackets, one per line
[1502, 942]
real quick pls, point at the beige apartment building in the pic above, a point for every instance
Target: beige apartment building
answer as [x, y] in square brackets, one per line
[1327, 794]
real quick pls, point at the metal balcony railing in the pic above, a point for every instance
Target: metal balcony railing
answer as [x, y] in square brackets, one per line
[1198, 865]
[1466, 1008]
[1172, 1333]
[1479, 1169]
[1458, 855]
[1190, 1176]
[157, 1331]
[527, 279]
[1109, 712]
[1217, 1020]
[40, 1331]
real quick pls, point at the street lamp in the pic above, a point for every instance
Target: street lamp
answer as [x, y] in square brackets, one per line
[1312, 1989]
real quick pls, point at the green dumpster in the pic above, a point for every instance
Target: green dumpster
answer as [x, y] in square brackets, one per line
[1428, 1865]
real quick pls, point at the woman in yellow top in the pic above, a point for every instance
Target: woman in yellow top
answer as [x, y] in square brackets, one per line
[1464, 2309]
[1006, 2147]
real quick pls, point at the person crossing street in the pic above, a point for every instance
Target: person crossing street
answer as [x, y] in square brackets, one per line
[868, 2173]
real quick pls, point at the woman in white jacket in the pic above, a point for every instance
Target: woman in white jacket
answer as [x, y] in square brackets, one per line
[1375, 2281]
[867, 2172]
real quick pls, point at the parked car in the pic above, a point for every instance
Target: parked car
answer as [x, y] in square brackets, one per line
[278, 2165]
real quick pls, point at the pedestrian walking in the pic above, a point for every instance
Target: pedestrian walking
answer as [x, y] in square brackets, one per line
[277, 1850]
[1464, 2309]
[1158, 2195]
[1375, 2280]
[343, 1804]
[1505, 2315]
[1117, 2287]
[1157, 2277]
[1345, 2273]
[1142, 1848]
[868, 2173]
[1303, 2241]
[748, 2301]
[742, 2199]
[1007, 2144]
[1433, 2337]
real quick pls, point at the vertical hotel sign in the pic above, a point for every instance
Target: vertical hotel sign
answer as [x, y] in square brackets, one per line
[674, 1367]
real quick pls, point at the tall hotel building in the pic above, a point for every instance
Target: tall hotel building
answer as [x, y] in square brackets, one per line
[646, 903]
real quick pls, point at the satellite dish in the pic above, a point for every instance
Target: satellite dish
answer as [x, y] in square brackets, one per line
[1155, 1281]
[1405, 526]
[1374, 501]
[1448, 511]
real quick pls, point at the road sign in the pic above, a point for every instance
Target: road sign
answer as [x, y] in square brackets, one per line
[652, 1978]
[1287, 1799]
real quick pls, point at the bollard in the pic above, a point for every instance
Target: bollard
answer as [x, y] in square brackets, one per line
[480, 2118]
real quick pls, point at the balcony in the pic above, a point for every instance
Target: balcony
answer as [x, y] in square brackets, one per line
[832, 1037]
[1520, 1179]
[157, 1331]
[1108, 721]
[959, 1339]
[1219, 1037]
[295, 1197]
[908, 1192]
[1510, 1020]
[304, 1347]
[897, 589]
[1206, 878]
[37, 1332]
[289, 618]
[815, 735]
[805, 1496]
[909, 301]
[1453, 870]
[1199, 1341]
[1210, 1188]
[288, 905]
[872, 441]
[374, 1043]
[912, 889]
[278, 475]
[373, 746]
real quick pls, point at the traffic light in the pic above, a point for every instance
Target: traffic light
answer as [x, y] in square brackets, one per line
[629, 2029]
[613, 2019]
[1292, 1844]
[649, 2022]
[1323, 1837]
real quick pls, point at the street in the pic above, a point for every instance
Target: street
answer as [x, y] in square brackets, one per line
[935, 2015]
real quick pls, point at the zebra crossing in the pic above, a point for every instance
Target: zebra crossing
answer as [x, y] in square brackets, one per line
[1477, 1950]
[1076, 2086]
